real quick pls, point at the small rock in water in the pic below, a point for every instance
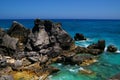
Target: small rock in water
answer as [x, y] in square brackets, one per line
[79, 36]
[111, 48]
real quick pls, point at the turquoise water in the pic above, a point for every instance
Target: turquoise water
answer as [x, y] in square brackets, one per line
[108, 63]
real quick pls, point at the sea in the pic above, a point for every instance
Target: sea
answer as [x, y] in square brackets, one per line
[107, 65]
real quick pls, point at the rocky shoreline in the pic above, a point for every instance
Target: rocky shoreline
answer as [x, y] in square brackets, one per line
[30, 52]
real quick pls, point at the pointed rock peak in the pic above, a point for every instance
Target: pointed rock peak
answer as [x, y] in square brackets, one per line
[17, 24]
[38, 22]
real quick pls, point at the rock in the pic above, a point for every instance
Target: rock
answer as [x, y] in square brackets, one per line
[111, 48]
[8, 45]
[19, 55]
[65, 40]
[79, 49]
[6, 77]
[43, 59]
[66, 58]
[33, 59]
[48, 26]
[9, 42]
[79, 36]
[62, 37]
[56, 50]
[99, 45]
[41, 37]
[115, 77]
[36, 27]
[31, 53]
[46, 51]
[17, 64]
[3, 63]
[94, 51]
[79, 58]
[91, 50]
[53, 69]
[25, 62]
[17, 30]
[85, 71]
[45, 35]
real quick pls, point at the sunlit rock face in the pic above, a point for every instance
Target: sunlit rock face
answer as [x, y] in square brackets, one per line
[48, 38]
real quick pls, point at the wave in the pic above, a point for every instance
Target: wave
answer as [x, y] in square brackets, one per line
[84, 43]
[118, 51]
[81, 68]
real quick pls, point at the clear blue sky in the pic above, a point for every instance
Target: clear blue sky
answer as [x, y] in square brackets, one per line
[78, 9]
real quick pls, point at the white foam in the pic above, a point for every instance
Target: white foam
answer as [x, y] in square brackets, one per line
[81, 68]
[59, 64]
[118, 51]
[71, 70]
[105, 49]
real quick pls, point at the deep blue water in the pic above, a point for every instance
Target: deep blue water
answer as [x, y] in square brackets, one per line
[108, 64]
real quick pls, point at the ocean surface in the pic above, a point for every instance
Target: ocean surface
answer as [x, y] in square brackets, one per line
[108, 63]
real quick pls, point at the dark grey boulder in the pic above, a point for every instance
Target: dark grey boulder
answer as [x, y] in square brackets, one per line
[79, 58]
[17, 30]
[99, 45]
[111, 48]
[8, 45]
[94, 51]
[79, 36]
[9, 42]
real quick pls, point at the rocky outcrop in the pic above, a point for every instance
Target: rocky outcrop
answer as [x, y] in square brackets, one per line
[111, 48]
[79, 37]
[99, 45]
[94, 49]
[79, 58]
[31, 51]
[8, 45]
[17, 30]
[48, 38]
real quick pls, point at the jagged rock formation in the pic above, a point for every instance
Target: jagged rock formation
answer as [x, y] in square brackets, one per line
[48, 38]
[7, 44]
[33, 50]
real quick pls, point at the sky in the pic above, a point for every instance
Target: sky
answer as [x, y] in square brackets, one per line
[60, 9]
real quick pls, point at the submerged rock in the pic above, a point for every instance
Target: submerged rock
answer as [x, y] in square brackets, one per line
[115, 77]
[111, 48]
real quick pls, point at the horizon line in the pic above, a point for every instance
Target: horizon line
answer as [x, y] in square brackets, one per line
[60, 18]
